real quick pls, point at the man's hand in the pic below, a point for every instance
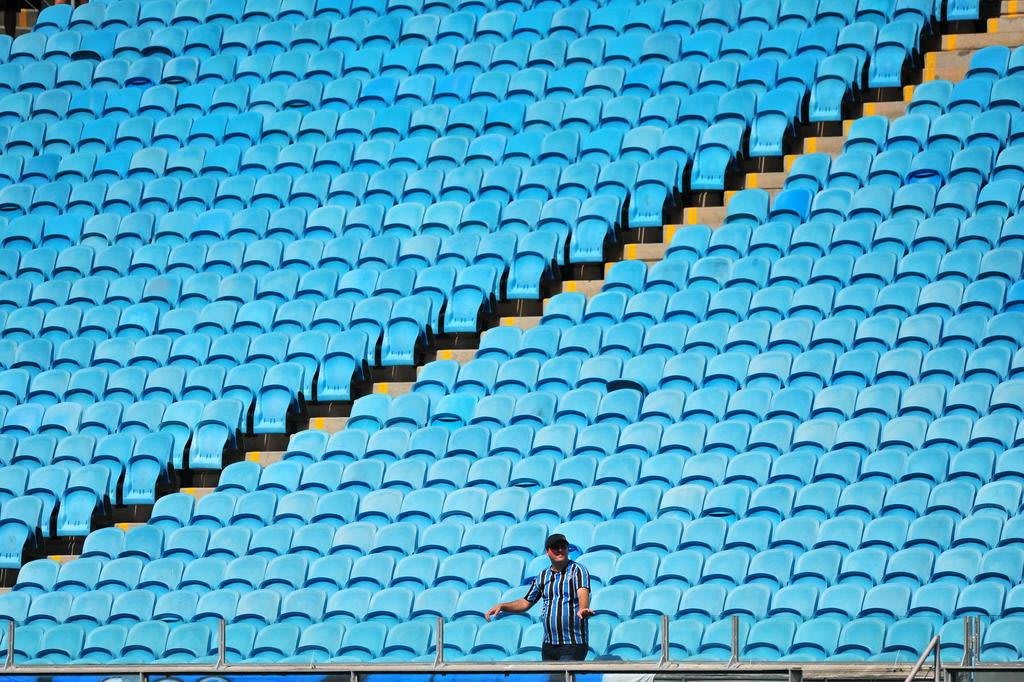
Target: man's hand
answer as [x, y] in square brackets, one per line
[585, 613]
[493, 611]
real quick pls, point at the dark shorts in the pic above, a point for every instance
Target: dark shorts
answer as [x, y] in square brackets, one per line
[563, 652]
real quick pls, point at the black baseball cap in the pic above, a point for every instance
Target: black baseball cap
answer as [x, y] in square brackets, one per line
[555, 540]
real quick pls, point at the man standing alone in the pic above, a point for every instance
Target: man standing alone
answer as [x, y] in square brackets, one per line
[565, 589]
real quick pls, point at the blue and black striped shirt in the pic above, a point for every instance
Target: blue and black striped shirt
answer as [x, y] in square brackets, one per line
[562, 625]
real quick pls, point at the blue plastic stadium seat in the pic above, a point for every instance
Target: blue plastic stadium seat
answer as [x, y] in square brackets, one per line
[718, 146]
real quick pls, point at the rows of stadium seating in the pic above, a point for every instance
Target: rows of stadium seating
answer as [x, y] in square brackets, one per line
[271, 582]
[473, 118]
[253, 637]
[256, 32]
[809, 418]
[143, 320]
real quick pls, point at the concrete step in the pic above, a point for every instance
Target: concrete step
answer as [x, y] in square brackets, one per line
[459, 355]
[1010, 22]
[997, 35]
[328, 424]
[393, 388]
[651, 253]
[524, 323]
[887, 109]
[264, 457]
[584, 286]
[767, 181]
[952, 62]
[827, 145]
[199, 492]
[703, 215]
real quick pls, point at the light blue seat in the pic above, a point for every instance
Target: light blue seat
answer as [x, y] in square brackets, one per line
[83, 497]
[717, 148]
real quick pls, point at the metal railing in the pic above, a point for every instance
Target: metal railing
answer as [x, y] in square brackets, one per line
[933, 646]
[972, 641]
[735, 665]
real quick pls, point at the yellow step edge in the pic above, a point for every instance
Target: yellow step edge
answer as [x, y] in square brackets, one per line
[445, 355]
[381, 387]
[949, 42]
[1012, 7]
[668, 233]
[690, 216]
[992, 26]
[629, 252]
[788, 160]
[570, 286]
[908, 93]
[930, 61]
[61, 558]
[318, 423]
[752, 181]
[189, 491]
[870, 108]
[508, 321]
[253, 456]
[810, 145]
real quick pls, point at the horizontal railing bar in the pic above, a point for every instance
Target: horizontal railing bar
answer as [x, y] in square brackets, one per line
[833, 670]
[985, 667]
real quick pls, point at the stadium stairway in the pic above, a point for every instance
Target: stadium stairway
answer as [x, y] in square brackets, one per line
[945, 56]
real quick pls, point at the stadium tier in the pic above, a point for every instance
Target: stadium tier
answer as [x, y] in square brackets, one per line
[230, 223]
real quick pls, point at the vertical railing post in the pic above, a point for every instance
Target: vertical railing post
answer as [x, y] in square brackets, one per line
[735, 657]
[976, 651]
[664, 640]
[439, 658]
[968, 641]
[10, 644]
[938, 661]
[222, 645]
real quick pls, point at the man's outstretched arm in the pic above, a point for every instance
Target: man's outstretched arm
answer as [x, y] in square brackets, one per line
[517, 606]
[583, 596]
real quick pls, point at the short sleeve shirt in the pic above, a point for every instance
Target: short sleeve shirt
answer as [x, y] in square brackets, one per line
[562, 625]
